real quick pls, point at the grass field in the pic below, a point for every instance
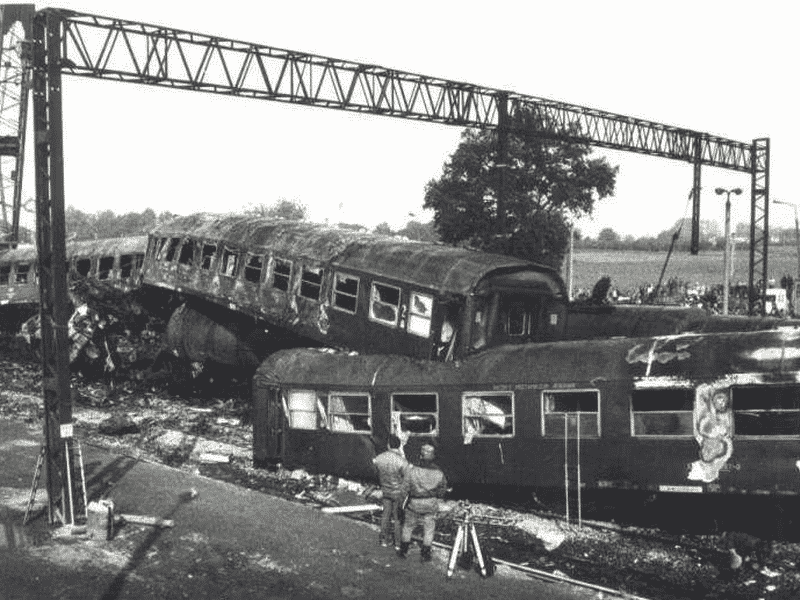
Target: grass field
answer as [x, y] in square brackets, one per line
[630, 269]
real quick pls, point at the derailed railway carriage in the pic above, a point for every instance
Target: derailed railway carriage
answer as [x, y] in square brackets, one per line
[715, 414]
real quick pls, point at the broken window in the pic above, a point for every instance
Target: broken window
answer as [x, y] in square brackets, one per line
[105, 266]
[311, 282]
[349, 413]
[772, 410]
[5, 273]
[415, 414]
[252, 270]
[487, 414]
[667, 412]
[229, 261]
[172, 249]
[517, 322]
[209, 251]
[22, 273]
[281, 274]
[83, 266]
[125, 266]
[419, 314]
[302, 408]
[345, 292]
[187, 253]
[157, 247]
[574, 413]
[384, 304]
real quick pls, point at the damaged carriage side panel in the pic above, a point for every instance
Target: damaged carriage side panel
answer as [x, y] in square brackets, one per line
[356, 290]
[707, 413]
[117, 261]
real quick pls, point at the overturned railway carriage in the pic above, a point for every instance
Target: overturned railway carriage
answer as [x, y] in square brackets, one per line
[117, 261]
[714, 414]
[354, 290]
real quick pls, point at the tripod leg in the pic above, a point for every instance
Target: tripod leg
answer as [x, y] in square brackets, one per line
[451, 565]
[478, 552]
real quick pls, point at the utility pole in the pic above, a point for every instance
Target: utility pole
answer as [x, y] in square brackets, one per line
[726, 274]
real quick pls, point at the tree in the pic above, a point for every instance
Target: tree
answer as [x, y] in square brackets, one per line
[547, 183]
[291, 210]
[608, 238]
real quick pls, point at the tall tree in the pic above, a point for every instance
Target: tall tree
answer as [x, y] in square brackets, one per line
[547, 184]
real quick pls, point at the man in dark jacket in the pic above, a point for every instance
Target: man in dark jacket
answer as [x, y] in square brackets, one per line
[425, 484]
[391, 466]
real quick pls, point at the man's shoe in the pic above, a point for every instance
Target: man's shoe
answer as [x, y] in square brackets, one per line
[402, 552]
[426, 554]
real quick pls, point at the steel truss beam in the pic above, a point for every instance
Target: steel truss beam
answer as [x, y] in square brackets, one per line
[110, 48]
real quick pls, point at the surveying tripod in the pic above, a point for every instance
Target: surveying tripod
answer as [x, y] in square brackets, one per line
[461, 545]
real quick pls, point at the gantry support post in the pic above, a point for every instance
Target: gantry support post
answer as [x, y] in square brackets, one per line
[695, 245]
[49, 159]
[759, 226]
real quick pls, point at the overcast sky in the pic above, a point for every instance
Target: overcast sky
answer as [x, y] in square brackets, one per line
[726, 68]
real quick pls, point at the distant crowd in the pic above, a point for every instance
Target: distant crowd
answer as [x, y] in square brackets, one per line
[676, 292]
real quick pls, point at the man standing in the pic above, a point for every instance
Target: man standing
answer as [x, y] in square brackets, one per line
[425, 484]
[391, 467]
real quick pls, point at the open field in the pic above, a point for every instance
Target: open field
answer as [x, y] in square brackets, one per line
[630, 269]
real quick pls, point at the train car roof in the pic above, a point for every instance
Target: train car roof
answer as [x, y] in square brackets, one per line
[587, 321]
[448, 268]
[689, 357]
[102, 247]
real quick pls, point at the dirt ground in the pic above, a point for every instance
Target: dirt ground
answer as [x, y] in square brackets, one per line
[184, 432]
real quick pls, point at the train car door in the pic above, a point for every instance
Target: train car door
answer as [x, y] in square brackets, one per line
[269, 424]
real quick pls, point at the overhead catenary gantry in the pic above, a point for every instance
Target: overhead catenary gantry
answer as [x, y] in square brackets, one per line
[84, 45]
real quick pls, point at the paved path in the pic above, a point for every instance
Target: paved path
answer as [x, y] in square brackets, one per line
[227, 542]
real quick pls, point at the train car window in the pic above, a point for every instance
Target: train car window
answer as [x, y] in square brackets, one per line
[105, 266]
[125, 266]
[22, 273]
[5, 273]
[172, 249]
[415, 414]
[227, 265]
[138, 261]
[311, 283]
[384, 304]
[209, 251]
[187, 253]
[487, 414]
[662, 412]
[83, 266]
[253, 268]
[767, 410]
[350, 413]
[571, 412]
[281, 274]
[302, 409]
[158, 249]
[419, 315]
[345, 292]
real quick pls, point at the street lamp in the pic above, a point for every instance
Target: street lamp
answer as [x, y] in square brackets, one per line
[797, 242]
[727, 254]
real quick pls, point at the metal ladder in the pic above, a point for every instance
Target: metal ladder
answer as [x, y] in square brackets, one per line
[68, 448]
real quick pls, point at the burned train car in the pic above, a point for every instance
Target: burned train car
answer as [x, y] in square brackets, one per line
[116, 261]
[707, 414]
[311, 284]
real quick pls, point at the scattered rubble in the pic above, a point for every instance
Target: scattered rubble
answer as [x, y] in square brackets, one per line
[214, 438]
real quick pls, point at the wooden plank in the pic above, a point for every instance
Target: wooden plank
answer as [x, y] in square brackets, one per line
[144, 520]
